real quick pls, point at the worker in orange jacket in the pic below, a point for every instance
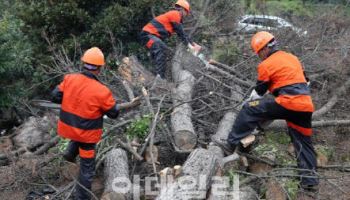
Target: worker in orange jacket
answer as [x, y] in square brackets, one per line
[281, 74]
[85, 100]
[162, 27]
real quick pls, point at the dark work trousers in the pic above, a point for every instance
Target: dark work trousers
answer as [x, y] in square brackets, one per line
[158, 52]
[86, 153]
[256, 112]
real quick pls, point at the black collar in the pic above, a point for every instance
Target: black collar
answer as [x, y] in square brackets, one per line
[273, 50]
[90, 75]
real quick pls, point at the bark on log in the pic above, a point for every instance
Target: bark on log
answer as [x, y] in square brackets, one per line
[281, 124]
[195, 178]
[132, 71]
[138, 76]
[184, 135]
[224, 127]
[44, 148]
[183, 132]
[116, 166]
[33, 132]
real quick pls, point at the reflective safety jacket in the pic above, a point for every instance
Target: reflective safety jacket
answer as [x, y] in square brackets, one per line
[165, 25]
[84, 102]
[283, 75]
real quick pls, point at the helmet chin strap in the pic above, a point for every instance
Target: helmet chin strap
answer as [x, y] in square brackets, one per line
[90, 67]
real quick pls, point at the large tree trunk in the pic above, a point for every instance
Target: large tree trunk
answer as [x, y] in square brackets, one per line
[132, 71]
[116, 166]
[195, 179]
[224, 127]
[183, 132]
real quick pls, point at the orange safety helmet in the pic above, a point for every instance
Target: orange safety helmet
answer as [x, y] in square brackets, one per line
[93, 56]
[184, 4]
[260, 40]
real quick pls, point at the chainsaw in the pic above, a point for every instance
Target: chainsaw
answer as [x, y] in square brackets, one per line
[55, 106]
[198, 52]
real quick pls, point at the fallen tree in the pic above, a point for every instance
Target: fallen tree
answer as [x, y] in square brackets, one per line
[183, 132]
[116, 167]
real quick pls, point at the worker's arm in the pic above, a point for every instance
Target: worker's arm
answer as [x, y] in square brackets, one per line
[261, 87]
[113, 113]
[180, 32]
[176, 21]
[307, 79]
[263, 80]
[56, 95]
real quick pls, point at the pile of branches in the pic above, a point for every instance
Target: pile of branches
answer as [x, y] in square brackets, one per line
[198, 102]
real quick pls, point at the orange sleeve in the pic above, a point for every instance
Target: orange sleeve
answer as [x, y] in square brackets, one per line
[263, 74]
[62, 84]
[108, 101]
[174, 16]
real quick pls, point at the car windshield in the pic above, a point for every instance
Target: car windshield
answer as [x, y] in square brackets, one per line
[261, 21]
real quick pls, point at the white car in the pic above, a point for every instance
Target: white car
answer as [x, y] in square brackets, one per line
[254, 23]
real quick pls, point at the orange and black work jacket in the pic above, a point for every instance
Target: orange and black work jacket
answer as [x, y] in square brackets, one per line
[282, 74]
[165, 25]
[84, 102]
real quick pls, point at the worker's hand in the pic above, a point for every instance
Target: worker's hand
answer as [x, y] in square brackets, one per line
[194, 48]
[253, 96]
[136, 101]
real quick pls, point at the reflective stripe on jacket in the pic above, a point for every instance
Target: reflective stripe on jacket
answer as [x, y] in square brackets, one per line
[285, 77]
[85, 100]
[165, 25]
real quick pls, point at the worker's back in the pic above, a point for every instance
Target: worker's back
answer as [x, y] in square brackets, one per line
[85, 100]
[162, 26]
[285, 75]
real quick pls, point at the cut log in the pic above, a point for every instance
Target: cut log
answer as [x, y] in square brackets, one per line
[248, 140]
[138, 76]
[33, 132]
[195, 178]
[184, 135]
[183, 132]
[224, 127]
[221, 135]
[116, 166]
[133, 72]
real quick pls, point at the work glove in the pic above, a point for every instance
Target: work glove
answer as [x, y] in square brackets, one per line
[254, 96]
[194, 48]
[136, 101]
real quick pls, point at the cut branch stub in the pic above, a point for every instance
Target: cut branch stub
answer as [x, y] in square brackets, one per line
[197, 173]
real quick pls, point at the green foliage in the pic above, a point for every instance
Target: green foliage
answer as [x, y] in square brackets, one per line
[232, 176]
[279, 138]
[62, 145]
[266, 150]
[288, 7]
[291, 186]
[226, 53]
[15, 59]
[275, 147]
[325, 150]
[139, 128]
[90, 23]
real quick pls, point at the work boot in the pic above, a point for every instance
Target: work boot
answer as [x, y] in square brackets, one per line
[69, 157]
[307, 192]
[225, 146]
[310, 188]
